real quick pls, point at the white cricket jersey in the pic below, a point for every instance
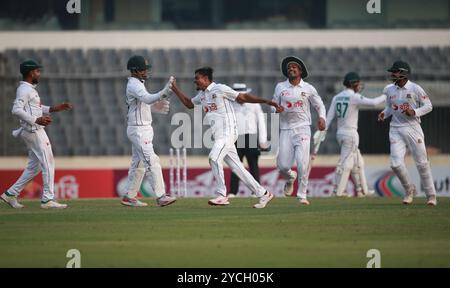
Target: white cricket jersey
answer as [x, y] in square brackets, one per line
[399, 99]
[27, 106]
[296, 101]
[216, 103]
[139, 103]
[345, 106]
[250, 120]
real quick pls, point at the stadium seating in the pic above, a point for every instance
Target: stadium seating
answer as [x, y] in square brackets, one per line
[94, 81]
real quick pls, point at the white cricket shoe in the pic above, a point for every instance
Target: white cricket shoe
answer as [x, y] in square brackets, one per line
[432, 201]
[304, 201]
[132, 202]
[219, 201]
[165, 200]
[53, 205]
[263, 200]
[289, 186]
[11, 200]
[361, 194]
[409, 195]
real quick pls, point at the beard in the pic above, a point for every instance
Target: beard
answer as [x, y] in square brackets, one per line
[35, 81]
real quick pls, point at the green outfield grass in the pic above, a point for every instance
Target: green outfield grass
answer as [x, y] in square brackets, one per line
[329, 233]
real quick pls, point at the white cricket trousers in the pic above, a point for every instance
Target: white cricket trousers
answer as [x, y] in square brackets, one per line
[40, 158]
[294, 146]
[411, 138]
[224, 150]
[349, 142]
[141, 138]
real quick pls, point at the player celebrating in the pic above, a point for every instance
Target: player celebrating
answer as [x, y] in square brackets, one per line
[216, 102]
[296, 96]
[406, 102]
[140, 133]
[28, 108]
[345, 106]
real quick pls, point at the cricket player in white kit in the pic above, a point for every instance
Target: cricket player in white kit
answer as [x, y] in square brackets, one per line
[28, 108]
[216, 102]
[140, 132]
[296, 96]
[406, 102]
[345, 106]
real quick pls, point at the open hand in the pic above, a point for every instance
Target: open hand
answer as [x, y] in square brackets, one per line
[278, 108]
[44, 120]
[61, 107]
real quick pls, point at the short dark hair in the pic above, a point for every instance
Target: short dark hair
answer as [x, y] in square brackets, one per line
[206, 71]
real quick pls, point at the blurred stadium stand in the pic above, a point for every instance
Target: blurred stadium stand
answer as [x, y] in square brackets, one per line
[94, 81]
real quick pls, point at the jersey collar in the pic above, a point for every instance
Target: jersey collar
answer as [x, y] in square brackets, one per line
[210, 86]
[300, 84]
[28, 84]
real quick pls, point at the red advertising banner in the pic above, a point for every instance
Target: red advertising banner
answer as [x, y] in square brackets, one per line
[106, 183]
[69, 184]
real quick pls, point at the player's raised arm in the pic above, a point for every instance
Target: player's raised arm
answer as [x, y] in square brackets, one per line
[183, 98]
[361, 100]
[65, 106]
[248, 98]
[148, 98]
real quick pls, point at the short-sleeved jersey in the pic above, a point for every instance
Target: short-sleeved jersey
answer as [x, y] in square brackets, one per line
[216, 103]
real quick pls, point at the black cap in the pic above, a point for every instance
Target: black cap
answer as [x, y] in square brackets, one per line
[351, 77]
[400, 66]
[29, 65]
[137, 62]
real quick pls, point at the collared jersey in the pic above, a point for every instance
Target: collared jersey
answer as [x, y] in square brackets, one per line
[216, 103]
[345, 106]
[139, 112]
[399, 99]
[27, 106]
[296, 101]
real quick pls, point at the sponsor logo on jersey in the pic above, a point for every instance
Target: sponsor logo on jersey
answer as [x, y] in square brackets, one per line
[296, 104]
[214, 96]
[408, 96]
[303, 94]
[392, 97]
[403, 107]
[285, 93]
[210, 108]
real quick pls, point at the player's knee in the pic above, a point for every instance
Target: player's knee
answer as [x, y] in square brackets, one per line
[423, 165]
[396, 162]
[212, 159]
[283, 167]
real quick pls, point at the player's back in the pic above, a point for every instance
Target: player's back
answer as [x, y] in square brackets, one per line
[346, 109]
